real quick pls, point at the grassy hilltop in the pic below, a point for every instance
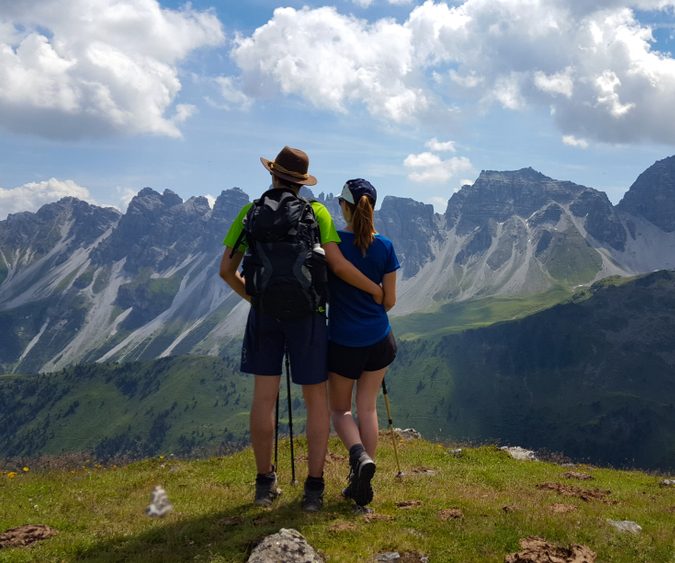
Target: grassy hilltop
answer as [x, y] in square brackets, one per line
[98, 512]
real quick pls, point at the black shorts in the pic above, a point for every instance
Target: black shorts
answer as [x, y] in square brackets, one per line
[352, 361]
[266, 339]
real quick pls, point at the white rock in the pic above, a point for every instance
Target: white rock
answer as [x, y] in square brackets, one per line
[626, 526]
[388, 556]
[408, 433]
[516, 452]
[160, 505]
[287, 545]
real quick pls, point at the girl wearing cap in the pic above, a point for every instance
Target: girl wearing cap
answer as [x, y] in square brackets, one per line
[360, 343]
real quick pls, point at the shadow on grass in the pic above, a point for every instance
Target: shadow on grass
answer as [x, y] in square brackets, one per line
[229, 535]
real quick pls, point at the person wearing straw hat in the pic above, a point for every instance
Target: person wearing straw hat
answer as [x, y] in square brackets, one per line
[305, 339]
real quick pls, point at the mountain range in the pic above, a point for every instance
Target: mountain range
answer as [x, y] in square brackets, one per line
[591, 378]
[82, 283]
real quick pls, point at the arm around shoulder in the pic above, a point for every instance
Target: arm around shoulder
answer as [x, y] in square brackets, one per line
[349, 273]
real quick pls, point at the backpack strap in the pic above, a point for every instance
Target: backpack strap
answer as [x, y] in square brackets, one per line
[242, 234]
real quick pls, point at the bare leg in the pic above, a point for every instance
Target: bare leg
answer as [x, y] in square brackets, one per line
[341, 409]
[317, 428]
[367, 389]
[265, 394]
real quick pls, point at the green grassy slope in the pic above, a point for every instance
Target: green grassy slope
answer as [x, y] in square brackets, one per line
[178, 404]
[456, 317]
[593, 378]
[99, 512]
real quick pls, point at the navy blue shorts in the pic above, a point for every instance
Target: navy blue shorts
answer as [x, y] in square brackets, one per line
[352, 361]
[267, 338]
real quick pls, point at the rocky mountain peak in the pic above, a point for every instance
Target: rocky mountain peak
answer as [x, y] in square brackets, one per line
[227, 205]
[69, 219]
[413, 226]
[652, 195]
[499, 195]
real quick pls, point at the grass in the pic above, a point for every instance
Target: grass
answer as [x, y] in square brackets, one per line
[99, 511]
[476, 313]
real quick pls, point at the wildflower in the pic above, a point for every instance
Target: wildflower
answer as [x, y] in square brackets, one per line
[25, 469]
[11, 474]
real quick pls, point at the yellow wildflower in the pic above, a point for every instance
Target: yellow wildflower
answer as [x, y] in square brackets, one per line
[11, 474]
[25, 469]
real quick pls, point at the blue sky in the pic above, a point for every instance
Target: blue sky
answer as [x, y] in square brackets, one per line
[99, 98]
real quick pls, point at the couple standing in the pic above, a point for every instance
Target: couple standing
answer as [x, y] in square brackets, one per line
[356, 346]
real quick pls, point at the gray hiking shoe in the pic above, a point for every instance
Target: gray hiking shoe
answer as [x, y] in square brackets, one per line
[312, 500]
[266, 489]
[361, 475]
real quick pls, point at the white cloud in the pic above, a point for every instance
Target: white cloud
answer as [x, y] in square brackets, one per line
[363, 3]
[332, 61]
[33, 195]
[556, 83]
[429, 167]
[592, 63]
[440, 146]
[94, 67]
[231, 95]
[572, 141]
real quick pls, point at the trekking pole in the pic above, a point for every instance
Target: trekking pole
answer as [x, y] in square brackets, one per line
[391, 426]
[290, 418]
[276, 434]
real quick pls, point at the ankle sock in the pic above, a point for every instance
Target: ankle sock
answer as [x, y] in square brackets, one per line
[354, 453]
[266, 476]
[314, 483]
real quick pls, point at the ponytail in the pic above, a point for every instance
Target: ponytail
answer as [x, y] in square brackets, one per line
[362, 221]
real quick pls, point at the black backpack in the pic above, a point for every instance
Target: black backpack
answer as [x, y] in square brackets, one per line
[284, 266]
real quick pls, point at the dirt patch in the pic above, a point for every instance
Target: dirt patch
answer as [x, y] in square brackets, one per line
[577, 475]
[413, 557]
[509, 508]
[333, 457]
[408, 503]
[538, 550]
[559, 508]
[584, 494]
[423, 471]
[25, 535]
[342, 527]
[450, 514]
[375, 517]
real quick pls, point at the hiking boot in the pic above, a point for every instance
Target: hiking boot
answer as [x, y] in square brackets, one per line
[312, 499]
[348, 491]
[266, 489]
[362, 474]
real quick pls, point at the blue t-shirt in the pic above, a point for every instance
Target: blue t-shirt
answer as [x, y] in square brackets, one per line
[354, 319]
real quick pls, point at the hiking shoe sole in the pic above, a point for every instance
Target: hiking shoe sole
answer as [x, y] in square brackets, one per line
[267, 500]
[312, 501]
[362, 492]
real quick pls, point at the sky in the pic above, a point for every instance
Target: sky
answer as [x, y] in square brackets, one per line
[100, 98]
